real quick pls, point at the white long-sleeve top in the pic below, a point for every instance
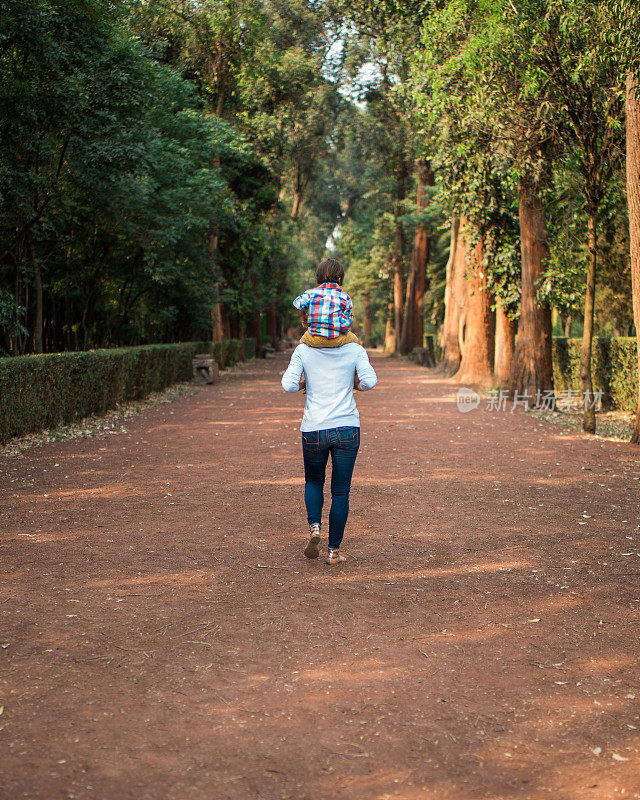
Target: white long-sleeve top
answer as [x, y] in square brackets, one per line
[329, 375]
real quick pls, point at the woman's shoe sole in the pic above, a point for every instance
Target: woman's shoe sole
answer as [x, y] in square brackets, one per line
[312, 550]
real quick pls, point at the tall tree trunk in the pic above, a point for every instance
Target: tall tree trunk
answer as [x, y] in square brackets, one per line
[532, 367]
[235, 326]
[408, 318]
[398, 255]
[389, 333]
[216, 310]
[15, 350]
[37, 279]
[412, 322]
[567, 325]
[216, 322]
[67, 319]
[226, 327]
[300, 186]
[254, 322]
[476, 365]
[272, 324]
[254, 327]
[589, 414]
[505, 345]
[366, 302]
[297, 201]
[221, 86]
[633, 201]
[422, 249]
[398, 283]
[455, 298]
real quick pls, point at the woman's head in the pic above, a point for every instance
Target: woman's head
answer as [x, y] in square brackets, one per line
[330, 271]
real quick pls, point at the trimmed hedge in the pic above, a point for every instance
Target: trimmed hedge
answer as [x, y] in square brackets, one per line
[43, 391]
[249, 346]
[614, 369]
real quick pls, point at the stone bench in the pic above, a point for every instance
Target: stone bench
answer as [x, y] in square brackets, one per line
[205, 369]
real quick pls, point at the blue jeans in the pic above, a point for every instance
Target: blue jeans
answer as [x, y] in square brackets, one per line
[343, 444]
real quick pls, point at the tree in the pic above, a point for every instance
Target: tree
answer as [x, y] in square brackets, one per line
[455, 298]
[570, 47]
[413, 315]
[531, 368]
[476, 363]
[633, 199]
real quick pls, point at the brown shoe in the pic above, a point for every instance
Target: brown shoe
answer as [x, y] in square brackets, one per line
[312, 550]
[334, 557]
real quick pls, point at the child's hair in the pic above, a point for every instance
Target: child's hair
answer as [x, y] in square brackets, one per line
[330, 271]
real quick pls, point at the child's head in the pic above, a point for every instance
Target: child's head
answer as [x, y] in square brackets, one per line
[330, 271]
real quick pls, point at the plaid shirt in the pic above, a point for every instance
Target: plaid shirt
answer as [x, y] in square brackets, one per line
[329, 310]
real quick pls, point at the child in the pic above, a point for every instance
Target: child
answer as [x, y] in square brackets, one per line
[326, 311]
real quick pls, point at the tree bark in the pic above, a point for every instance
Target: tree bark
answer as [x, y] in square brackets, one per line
[633, 201]
[505, 346]
[567, 325]
[300, 185]
[216, 311]
[272, 324]
[37, 279]
[412, 322]
[408, 317]
[366, 302]
[454, 299]
[398, 256]
[589, 413]
[397, 284]
[476, 365]
[254, 321]
[226, 327]
[297, 201]
[531, 366]
[389, 333]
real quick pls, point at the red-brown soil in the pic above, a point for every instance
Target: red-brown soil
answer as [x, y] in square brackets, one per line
[163, 636]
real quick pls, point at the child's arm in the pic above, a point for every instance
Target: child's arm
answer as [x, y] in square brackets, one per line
[302, 304]
[348, 311]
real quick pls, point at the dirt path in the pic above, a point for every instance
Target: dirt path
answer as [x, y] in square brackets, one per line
[163, 637]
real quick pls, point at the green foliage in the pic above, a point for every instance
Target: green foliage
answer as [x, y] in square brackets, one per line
[615, 369]
[43, 391]
[149, 160]
[47, 390]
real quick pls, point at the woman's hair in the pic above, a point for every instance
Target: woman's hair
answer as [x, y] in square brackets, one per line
[330, 271]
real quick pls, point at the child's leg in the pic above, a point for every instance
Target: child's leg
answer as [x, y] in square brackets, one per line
[324, 341]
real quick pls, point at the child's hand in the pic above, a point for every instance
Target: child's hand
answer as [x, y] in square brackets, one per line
[303, 318]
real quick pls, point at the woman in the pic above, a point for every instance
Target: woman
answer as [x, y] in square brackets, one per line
[330, 424]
